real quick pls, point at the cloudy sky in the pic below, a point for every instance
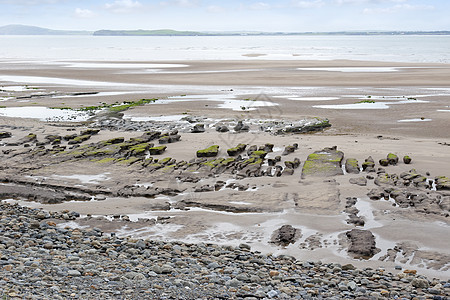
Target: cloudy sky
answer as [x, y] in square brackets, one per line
[229, 15]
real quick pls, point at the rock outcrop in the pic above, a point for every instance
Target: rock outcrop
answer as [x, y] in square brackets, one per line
[362, 243]
[285, 235]
[326, 162]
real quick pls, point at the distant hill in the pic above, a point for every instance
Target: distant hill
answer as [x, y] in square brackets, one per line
[170, 32]
[34, 30]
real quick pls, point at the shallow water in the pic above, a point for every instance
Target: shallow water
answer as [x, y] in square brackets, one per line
[164, 48]
[45, 113]
[414, 120]
[355, 69]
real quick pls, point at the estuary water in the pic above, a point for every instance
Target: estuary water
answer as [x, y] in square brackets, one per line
[430, 49]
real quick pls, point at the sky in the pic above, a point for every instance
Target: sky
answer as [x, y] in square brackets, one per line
[230, 15]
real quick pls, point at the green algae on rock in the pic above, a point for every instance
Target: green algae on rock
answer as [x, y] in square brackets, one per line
[326, 162]
[211, 151]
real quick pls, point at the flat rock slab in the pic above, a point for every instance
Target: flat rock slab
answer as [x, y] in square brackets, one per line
[362, 243]
[323, 163]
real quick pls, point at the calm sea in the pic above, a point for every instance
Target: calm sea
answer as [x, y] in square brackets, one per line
[378, 48]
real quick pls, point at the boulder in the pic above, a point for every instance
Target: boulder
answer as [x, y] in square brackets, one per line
[312, 126]
[392, 158]
[89, 132]
[79, 139]
[326, 162]
[241, 127]
[368, 165]
[259, 153]
[5, 134]
[285, 235]
[150, 136]
[442, 183]
[376, 194]
[267, 147]
[288, 150]
[384, 162]
[198, 128]
[362, 243]
[287, 171]
[222, 128]
[351, 166]
[167, 139]
[356, 220]
[361, 181]
[28, 139]
[53, 139]
[384, 179]
[407, 159]
[251, 149]
[236, 150]
[208, 152]
[157, 150]
[292, 164]
[116, 140]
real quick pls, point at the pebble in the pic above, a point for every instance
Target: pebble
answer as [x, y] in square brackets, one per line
[88, 264]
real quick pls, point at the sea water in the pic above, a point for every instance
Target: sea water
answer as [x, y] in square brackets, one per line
[394, 48]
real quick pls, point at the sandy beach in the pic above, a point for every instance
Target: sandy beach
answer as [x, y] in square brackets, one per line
[374, 108]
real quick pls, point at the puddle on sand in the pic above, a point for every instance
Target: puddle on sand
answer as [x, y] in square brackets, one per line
[228, 101]
[86, 65]
[16, 88]
[414, 120]
[93, 179]
[299, 98]
[366, 211]
[45, 114]
[169, 118]
[355, 69]
[375, 105]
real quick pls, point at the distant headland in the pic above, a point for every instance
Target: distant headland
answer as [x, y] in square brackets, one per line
[34, 30]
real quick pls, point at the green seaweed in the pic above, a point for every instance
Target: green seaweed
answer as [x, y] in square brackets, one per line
[208, 152]
[366, 101]
[259, 153]
[106, 160]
